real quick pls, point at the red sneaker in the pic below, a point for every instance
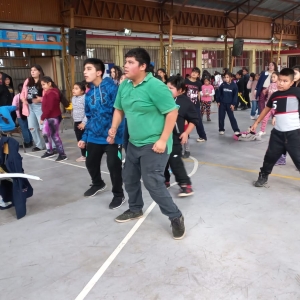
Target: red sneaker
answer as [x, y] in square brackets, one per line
[185, 191]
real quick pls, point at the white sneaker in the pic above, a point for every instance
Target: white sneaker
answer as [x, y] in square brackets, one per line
[236, 132]
[221, 132]
[201, 140]
[123, 161]
[80, 159]
[4, 204]
[262, 133]
[252, 118]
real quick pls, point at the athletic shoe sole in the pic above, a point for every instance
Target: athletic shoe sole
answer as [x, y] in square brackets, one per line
[264, 185]
[124, 221]
[100, 190]
[62, 159]
[179, 238]
[123, 201]
[48, 156]
[185, 195]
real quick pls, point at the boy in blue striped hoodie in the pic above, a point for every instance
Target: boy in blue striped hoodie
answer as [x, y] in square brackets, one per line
[99, 109]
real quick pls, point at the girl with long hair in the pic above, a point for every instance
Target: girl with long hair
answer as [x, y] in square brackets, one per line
[32, 97]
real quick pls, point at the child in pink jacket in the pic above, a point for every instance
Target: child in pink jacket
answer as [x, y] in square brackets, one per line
[271, 89]
[207, 92]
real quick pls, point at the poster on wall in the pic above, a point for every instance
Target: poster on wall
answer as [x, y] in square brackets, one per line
[31, 40]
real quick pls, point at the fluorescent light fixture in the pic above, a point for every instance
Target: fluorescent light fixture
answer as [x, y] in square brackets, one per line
[127, 32]
[273, 39]
[222, 37]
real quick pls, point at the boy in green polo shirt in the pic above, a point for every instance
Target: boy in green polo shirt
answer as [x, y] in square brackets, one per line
[151, 116]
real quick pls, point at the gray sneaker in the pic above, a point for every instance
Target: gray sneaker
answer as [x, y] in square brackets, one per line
[178, 228]
[129, 215]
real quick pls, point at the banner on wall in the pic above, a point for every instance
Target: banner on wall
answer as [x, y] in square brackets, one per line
[32, 40]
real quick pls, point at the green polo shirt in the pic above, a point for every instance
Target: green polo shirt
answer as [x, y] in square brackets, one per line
[145, 107]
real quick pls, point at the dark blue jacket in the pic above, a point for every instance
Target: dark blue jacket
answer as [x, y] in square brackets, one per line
[260, 84]
[99, 110]
[20, 189]
[228, 93]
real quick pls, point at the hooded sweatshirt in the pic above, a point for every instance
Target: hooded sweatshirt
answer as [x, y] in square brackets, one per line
[51, 104]
[99, 109]
[228, 93]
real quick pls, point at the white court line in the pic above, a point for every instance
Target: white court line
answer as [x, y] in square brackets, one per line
[111, 258]
[61, 162]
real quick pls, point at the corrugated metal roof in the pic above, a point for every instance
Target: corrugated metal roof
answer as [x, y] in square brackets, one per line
[268, 8]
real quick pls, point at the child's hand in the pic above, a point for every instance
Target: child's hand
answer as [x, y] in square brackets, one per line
[41, 122]
[81, 144]
[232, 107]
[274, 121]
[253, 127]
[81, 126]
[184, 138]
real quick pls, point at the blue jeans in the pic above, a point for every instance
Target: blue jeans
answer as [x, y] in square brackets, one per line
[25, 131]
[254, 107]
[35, 113]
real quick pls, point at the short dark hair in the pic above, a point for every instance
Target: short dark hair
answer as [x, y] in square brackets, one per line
[97, 63]
[240, 72]
[229, 74]
[287, 72]
[81, 85]
[178, 82]
[141, 55]
[196, 69]
[245, 69]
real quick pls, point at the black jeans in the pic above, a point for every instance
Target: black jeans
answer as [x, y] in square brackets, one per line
[94, 153]
[247, 98]
[79, 134]
[143, 162]
[200, 127]
[279, 143]
[177, 167]
[223, 109]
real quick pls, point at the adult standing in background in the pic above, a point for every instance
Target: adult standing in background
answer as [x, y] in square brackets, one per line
[263, 84]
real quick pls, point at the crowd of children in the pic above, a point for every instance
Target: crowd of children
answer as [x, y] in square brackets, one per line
[107, 119]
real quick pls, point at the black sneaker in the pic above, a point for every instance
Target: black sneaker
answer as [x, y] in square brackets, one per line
[116, 202]
[167, 184]
[94, 189]
[185, 191]
[61, 158]
[47, 155]
[35, 149]
[262, 180]
[178, 228]
[129, 215]
[186, 154]
[28, 145]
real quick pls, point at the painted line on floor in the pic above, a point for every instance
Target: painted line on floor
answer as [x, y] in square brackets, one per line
[61, 162]
[115, 253]
[243, 169]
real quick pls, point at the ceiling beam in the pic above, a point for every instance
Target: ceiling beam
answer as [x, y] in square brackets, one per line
[292, 10]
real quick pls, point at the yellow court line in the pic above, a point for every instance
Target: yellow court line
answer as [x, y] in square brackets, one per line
[242, 169]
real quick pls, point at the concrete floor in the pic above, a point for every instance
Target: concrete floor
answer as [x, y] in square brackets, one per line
[242, 242]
